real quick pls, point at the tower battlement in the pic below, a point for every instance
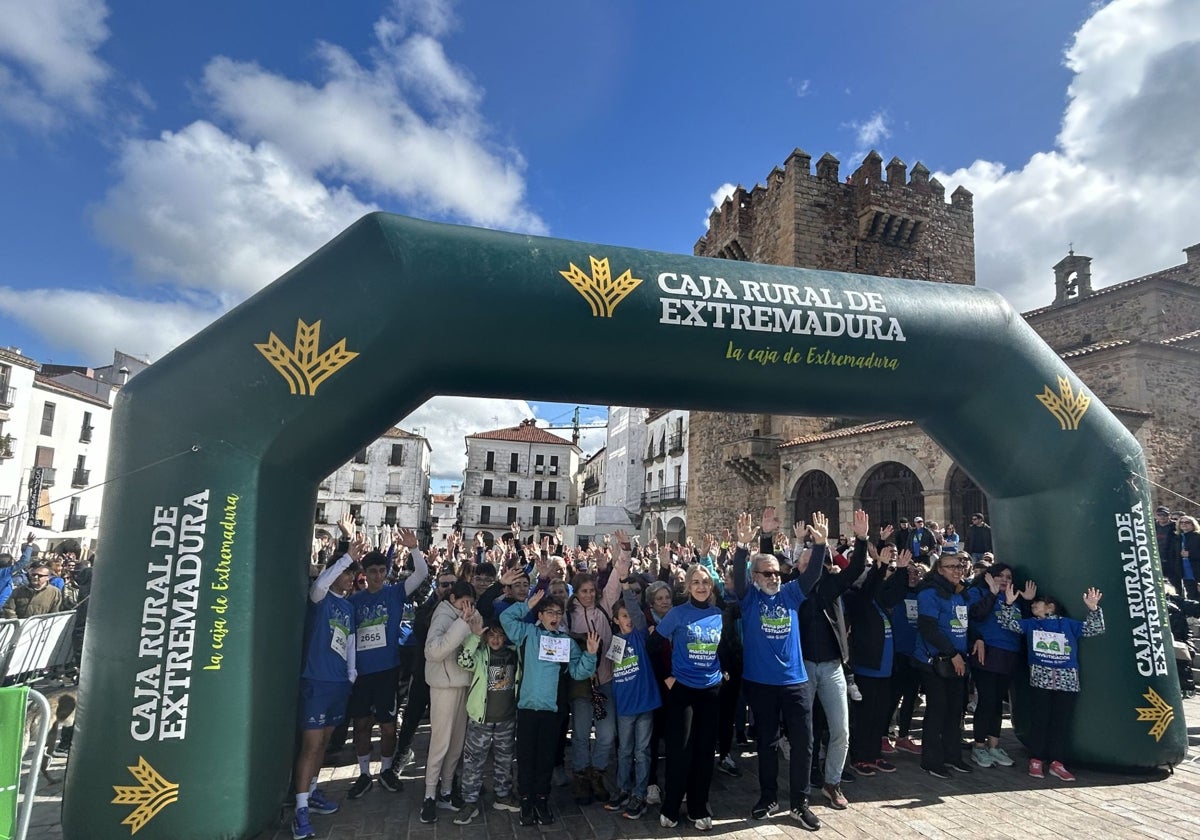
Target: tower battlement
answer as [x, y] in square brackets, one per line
[894, 225]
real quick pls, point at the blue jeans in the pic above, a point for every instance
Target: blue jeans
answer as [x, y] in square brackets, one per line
[581, 715]
[829, 682]
[633, 752]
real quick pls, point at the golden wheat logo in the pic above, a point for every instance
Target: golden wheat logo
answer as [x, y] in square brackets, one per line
[601, 291]
[301, 365]
[1067, 407]
[1158, 711]
[151, 795]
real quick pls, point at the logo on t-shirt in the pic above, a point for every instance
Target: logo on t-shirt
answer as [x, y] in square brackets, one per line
[776, 620]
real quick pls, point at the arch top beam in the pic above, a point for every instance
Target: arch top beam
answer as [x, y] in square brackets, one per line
[191, 663]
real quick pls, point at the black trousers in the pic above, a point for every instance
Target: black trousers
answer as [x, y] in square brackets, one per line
[991, 689]
[869, 717]
[906, 685]
[414, 710]
[792, 704]
[538, 736]
[942, 731]
[691, 724]
[1049, 722]
[730, 697]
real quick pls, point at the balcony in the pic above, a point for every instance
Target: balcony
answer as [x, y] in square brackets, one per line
[591, 484]
[754, 459]
[672, 494]
[675, 445]
[79, 478]
[7, 395]
[48, 475]
[325, 485]
[6, 446]
[85, 434]
[75, 522]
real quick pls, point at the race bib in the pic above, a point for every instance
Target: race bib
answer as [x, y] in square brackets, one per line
[616, 649]
[910, 610]
[554, 649]
[337, 641]
[371, 636]
[1051, 645]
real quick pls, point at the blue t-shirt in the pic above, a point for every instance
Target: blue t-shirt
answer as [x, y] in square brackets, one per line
[377, 620]
[634, 687]
[330, 631]
[904, 624]
[885, 661]
[993, 634]
[1053, 642]
[771, 636]
[694, 634]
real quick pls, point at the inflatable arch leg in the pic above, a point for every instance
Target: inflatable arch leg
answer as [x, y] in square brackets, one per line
[186, 717]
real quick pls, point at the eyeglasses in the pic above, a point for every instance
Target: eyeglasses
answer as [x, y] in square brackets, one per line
[769, 574]
[552, 613]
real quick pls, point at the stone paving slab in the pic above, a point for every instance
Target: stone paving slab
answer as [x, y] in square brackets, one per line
[1000, 803]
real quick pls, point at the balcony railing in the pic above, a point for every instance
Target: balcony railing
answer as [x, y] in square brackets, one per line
[7, 395]
[79, 478]
[75, 523]
[85, 434]
[48, 474]
[672, 494]
[591, 483]
[675, 446]
[6, 446]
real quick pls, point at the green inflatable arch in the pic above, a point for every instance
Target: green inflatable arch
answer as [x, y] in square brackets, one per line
[186, 718]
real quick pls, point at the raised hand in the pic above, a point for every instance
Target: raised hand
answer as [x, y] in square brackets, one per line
[474, 621]
[885, 532]
[346, 526]
[468, 613]
[1030, 590]
[820, 527]
[800, 530]
[746, 532]
[862, 524]
[534, 598]
[993, 583]
[1010, 594]
[593, 642]
[1092, 598]
[904, 559]
[770, 522]
[358, 547]
[408, 538]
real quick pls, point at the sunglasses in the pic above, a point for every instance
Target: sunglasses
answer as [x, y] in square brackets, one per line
[768, 574]
[40, 577]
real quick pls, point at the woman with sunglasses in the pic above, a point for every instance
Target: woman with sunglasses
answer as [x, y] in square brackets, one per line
[943, 610]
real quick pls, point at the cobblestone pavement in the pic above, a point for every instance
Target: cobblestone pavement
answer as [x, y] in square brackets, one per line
[989, 803]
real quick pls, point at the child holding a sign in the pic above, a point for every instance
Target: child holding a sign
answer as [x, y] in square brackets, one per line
[546, 652]
[1052, 640]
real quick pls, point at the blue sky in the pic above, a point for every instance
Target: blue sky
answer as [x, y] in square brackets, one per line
[164, 161]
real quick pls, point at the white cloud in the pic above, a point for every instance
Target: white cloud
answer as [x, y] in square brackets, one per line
[1123, 183]
[800, 88]
[446, 421]
[717, 197]
[48, 58]
[868, 134]
[215, 217]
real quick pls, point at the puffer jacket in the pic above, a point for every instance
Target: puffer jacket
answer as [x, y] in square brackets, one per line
[447, 632]
[597, 619]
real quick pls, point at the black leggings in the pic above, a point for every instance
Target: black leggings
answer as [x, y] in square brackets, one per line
[942, 731]
[730, 697]
[906, 685]
[1049, 722]
[869, 718]
[691, 738]
[992, 689]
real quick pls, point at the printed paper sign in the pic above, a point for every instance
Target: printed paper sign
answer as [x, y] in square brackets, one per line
[555, 649]
[616, 649]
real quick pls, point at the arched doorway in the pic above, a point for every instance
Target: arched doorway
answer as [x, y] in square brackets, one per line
[965, 499]
[676, 530]
[818, 492]
[892, 492]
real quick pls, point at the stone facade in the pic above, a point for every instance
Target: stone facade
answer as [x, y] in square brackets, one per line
[1135, 345]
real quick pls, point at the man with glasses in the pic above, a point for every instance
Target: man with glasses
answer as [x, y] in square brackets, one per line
[979, 538]
[37, 597]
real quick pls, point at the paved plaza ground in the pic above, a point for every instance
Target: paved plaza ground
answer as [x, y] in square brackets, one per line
[991, 803]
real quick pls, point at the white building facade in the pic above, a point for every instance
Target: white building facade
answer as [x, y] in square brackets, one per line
[664, 483]
[443, 514]
[592, 474]
[520, 474]
[385, 485]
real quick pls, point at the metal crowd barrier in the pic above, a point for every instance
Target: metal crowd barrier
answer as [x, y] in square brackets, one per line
[39, 643]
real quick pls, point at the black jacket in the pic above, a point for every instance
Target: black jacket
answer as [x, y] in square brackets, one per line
[866, 623]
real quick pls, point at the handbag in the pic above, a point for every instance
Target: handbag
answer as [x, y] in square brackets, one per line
[943, 666]
[599, 702]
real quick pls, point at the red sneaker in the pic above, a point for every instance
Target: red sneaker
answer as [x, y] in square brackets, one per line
[1057, 769]
[886, 746]
[1035, 768]
[908, 745]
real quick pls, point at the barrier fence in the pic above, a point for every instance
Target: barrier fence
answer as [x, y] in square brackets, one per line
[29, 647]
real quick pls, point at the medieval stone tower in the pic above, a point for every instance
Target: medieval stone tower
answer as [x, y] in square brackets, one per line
[898, 225]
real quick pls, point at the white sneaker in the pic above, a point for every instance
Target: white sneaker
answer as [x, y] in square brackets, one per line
[703, 824]
[853, 693]
[666, 823]
[982, 756]
[403, 760]
[653, 795]
[1000, 757]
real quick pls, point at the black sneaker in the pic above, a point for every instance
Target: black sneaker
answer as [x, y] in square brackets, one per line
[429, 810]
[360, 786]
[804, 815]
[528, 814]
[450, 801]
[763, 808]
[729, 767]
[959, 765]
[938, 772]
[468, 813]
[389, 780]
[541, 807]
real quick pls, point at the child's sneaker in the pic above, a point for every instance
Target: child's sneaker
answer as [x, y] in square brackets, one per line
[318, 804]
[1000, 757]
[634, 808]
[617, 802]
[1057, 769]
[506, 802]
[301, 827]
[653, 795]
[1035, 768]
[982, 756]
[467, 815]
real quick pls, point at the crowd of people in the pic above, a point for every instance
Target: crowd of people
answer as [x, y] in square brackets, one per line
[652, 662]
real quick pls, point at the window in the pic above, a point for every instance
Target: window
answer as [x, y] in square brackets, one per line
[356, 512]
[550, 516]
[512, 462]
[539, 464]
[512, 515]
[48, 418]
[678, 475]
[389, 515]
[358, 481]
[537, 515]
[397, 459]
[85, 431]
[649, 481]
[485, 514]
[395, 484]
[361, 456]
[537, 489]
[553, 465]
[489, 463]
[320, 517]
[553, 490]
[80, 477]
[512, 489]
[487, 487]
